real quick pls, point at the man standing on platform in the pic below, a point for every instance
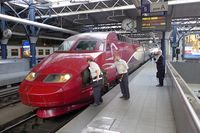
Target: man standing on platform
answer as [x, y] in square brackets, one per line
[160, 67]
[122, 69]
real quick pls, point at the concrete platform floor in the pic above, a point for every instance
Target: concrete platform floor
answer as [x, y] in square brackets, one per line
[147, 111]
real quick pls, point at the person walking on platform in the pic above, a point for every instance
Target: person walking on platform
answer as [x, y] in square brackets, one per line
[122, 70]
[160, 67]
[97, 81]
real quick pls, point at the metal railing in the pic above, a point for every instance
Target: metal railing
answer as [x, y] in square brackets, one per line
[180, 83]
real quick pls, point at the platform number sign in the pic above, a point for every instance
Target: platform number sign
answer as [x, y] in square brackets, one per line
[145, 8]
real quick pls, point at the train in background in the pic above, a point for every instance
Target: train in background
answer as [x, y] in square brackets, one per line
[14, 52]
[61, 82]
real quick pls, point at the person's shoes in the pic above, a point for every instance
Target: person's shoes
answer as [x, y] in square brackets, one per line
[95, 104]
[159, 85]
[101, 100]
[122, 97]
[126, 98]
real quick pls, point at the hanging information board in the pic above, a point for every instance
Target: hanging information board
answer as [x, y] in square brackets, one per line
[154, 16]
[154, 23]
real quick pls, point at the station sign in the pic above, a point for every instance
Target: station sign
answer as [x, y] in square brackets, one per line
[26, 48]
[145, 8]
[159, 7]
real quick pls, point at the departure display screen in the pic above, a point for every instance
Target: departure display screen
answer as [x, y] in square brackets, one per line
[155, 23]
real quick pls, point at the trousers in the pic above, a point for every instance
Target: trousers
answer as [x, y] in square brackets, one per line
[97, 86]
[124, 86]
[161, 81]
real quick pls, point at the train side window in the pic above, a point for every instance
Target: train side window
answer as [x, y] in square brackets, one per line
[40, 52]
[47, 51]
[14, 52]
[0, 52]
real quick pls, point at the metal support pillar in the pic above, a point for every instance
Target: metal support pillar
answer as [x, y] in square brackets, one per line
[32, 35]
[163, 48]
[33, 41]
[4, 48]
[3, 41]
[174, 45]
[163, 42]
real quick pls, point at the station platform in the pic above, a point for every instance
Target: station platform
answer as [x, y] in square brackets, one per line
[13, 71]
[148, 110]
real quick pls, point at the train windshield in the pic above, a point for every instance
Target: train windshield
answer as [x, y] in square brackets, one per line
[67, 44]
[73, 43]
[86, 45]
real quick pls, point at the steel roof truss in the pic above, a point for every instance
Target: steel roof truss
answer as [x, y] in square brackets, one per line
[85, 8]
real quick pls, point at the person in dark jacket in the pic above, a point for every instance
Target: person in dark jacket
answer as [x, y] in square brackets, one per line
[160, 67]
[1, 34]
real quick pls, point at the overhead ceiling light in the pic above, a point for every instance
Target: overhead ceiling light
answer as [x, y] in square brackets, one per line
[177, 2]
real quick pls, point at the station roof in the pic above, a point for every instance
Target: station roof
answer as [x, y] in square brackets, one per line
[99, 15]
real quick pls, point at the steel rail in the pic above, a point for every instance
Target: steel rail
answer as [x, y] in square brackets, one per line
[18, 123]
[6, 93]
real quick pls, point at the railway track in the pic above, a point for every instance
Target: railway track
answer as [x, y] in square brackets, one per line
[9, 96]
[30, 123]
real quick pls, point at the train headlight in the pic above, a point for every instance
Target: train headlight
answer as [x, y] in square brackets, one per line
[57, 78]
[31, 76]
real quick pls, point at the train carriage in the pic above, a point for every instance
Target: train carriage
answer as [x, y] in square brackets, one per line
[15, 52]
[57, 84]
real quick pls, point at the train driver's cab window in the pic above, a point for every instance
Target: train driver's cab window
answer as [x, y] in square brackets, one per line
[40, 52]
[101, 46]
[14, 52]
[67, 44]
[86, 45]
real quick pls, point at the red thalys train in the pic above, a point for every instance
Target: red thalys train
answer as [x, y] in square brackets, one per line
[59, 83]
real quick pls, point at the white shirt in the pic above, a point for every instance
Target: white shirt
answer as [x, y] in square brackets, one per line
[93, 68]
[121, 66]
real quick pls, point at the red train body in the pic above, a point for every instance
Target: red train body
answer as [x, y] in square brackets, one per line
[57, 85]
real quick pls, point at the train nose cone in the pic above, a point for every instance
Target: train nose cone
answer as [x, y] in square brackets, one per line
[40, 95]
